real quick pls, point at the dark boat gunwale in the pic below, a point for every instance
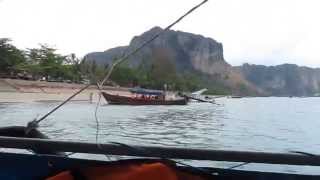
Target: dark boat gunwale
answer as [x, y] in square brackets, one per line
[161, 152]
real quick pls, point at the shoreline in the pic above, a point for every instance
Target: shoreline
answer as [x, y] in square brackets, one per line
[18, 97]
[19, 91]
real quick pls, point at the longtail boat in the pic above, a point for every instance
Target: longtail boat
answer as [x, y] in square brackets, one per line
[139, 96]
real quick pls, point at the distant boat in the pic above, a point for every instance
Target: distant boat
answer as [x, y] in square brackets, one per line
[200, 92]
[139, 96]
[198, 97]
[236, 96]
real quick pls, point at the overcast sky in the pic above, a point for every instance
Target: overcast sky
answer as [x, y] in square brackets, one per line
[255, 31]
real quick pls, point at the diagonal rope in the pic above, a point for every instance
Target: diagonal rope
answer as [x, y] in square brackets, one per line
[33, 124]
[63, 103]
[149, 41]
[97, 120]
[126, 56]
[238, 165]
[146, 152]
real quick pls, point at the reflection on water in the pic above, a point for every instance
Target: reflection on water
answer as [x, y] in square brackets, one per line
[256, 124]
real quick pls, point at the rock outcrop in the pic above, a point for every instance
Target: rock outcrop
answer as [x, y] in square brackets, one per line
[187, 53]
[283, 80]
[187, 50]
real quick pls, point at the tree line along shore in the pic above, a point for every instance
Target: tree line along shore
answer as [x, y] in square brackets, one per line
[46, 64]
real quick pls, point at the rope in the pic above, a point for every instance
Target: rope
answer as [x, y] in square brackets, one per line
[97, 120]
[33, 124]
[145, 152]
[63, 103]
[238, 165]
[149, 41]
[125, 57]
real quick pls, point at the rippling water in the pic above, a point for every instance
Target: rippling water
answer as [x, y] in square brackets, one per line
[255, 124]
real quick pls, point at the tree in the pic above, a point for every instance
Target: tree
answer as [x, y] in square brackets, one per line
[10, 56]
[48, 62]
[72, 68]
[124, 75]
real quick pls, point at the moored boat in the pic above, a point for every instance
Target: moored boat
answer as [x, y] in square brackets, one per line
[139, 96]
[235, 97]
[198, 96]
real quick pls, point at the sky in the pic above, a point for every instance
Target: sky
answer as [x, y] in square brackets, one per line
[267, 32]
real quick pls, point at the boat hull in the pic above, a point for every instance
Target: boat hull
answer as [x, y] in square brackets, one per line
[30, 167]
[123, 100]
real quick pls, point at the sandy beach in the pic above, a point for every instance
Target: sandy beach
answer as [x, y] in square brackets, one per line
[13, 90]
[11, 97]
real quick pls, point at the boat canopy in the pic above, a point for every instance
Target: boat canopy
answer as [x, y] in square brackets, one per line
[146, 91]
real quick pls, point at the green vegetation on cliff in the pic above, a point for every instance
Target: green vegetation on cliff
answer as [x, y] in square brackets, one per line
[156, 73]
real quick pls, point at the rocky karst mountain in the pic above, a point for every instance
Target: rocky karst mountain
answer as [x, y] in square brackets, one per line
[186, 52]
[283, 80]
[196, 54]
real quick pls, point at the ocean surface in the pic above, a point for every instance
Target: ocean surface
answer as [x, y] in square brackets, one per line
[270, 124]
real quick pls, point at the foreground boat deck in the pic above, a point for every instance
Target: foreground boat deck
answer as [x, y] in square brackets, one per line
[31, 167]
[40, 166]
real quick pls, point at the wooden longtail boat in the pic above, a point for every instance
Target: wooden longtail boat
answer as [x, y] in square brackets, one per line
[144, 97]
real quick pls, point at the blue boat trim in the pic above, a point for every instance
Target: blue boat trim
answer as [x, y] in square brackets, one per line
[147, 91]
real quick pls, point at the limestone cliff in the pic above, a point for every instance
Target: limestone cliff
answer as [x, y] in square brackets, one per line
[187, 52]
[283, 80]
